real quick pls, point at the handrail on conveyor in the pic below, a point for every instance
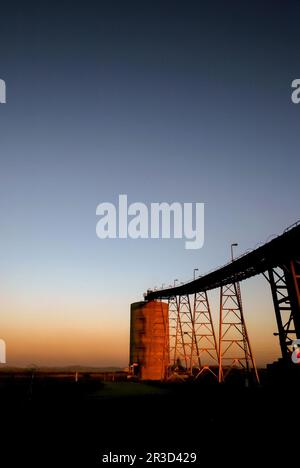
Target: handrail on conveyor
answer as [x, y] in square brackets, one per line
[272, 236]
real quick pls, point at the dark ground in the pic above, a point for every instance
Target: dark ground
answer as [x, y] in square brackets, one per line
[58, 422]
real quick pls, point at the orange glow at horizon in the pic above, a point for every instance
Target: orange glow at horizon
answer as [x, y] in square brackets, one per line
[62, 334]
[62, 331]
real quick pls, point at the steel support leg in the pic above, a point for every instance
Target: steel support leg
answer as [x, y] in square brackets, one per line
[285, 288]
[205, 351]
[234, 345]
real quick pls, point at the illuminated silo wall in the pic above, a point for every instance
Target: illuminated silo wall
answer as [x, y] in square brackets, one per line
[148, 340]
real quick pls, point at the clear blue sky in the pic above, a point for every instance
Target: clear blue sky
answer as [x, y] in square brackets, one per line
[163, 101]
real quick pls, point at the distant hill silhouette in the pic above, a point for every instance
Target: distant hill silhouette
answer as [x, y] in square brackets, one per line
[72, 368]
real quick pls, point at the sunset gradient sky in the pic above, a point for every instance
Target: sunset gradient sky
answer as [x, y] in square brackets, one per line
[162, 101]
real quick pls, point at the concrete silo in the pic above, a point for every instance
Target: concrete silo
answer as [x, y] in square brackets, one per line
[149, 339]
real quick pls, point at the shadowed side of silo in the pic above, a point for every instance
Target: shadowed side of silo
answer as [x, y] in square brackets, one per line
[149, 327]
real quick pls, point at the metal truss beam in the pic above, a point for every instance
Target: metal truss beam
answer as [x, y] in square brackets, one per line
[285, 288]
[274, 253]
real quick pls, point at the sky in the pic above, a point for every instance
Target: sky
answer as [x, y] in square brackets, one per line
[162, 101]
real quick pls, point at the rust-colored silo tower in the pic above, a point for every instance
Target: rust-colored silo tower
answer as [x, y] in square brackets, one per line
[149, 354]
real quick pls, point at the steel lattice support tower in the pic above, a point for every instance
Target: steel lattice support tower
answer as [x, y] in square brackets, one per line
[192, 340]
[180, 334]
[285, 288]
[174, 330]
[185, 335]
[204, 349]
[234, 345]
